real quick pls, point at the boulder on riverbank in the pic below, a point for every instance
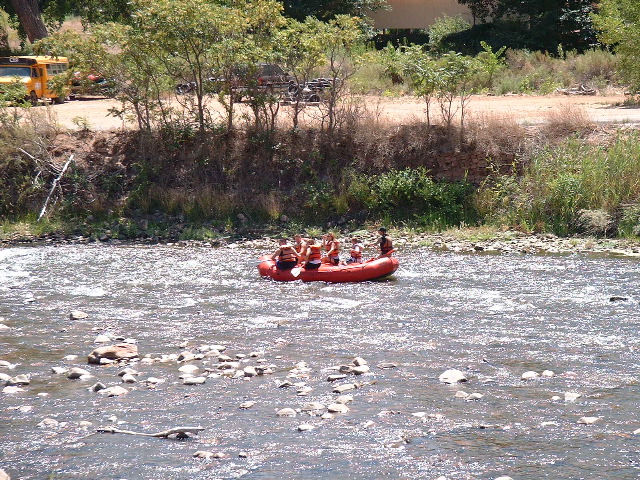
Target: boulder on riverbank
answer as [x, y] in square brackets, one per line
[119, 351]
[4, 475]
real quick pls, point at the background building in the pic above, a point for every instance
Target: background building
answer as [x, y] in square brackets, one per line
[417, 13]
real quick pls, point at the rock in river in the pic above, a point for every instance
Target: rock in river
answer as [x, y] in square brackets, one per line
[194, 380]
[12, 389]
[113, 391]
[250, 372]
[77, 315]
[4, 475]
[312, 407]
[452, 376]
[359, 362]
[119, 351]
[588, 420]
[360, 370]
[203, 454]
[571, 396]
[337, 408]
[128, 378]
[345, 387]
[77, 372]
[190, 368]
[19, 380]
[286, 412]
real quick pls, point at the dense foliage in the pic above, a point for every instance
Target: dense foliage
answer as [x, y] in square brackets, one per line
[530, 24]
[619, 22]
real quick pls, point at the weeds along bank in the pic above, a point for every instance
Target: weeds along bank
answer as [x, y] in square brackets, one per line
[416, 173]
[166, 184]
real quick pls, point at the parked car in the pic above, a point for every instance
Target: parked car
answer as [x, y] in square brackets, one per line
[268, 77]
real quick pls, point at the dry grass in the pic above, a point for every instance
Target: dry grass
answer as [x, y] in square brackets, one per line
[496, 134]
[565, 120]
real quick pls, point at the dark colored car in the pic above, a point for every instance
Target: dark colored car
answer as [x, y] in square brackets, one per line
[267, 76]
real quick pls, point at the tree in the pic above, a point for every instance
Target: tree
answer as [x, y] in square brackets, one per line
[36, 18]
[619, 25]
[421, 68]
[330, 9]
[442, 28]
[454, 81]
[480, 9]
[302, 53]
[340, 37]
[534, 24]
[30, 16]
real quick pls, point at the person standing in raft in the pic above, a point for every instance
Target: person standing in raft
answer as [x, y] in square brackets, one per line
[385, 243]
[313, 258]
[356, 251]
[332, 246]
[286, 256]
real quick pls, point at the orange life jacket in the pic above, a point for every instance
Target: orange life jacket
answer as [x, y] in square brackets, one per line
[287, 254]
[333, 245]
[385, 246]
[356, 253]
[315, 253]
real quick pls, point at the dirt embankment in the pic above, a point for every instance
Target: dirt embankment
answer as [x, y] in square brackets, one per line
[523, 109]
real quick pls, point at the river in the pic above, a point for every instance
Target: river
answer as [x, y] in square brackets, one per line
[493, 317]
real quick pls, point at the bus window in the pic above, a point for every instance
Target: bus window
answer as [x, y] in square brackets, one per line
[6, 71]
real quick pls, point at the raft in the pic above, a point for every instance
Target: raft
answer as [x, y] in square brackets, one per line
[355, 272]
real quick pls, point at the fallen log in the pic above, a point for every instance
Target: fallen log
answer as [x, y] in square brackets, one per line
[53, 187]
[180, 432]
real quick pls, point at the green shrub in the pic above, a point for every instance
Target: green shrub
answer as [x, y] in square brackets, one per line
[594, 66]
[442, 28]
[413, 194]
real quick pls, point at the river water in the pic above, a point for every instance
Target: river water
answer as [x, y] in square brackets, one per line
[493, 317]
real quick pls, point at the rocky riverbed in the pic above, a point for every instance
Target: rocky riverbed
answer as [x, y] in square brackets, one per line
[459, 241]
[462, 366]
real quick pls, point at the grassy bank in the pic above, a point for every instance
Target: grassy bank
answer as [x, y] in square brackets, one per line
[566, 178]
[571, 188]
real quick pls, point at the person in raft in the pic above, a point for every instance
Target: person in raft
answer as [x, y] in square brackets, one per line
[385, 243]
[286, 256]
[332, 246]
[300, 245]
[313, 258]
[356, 251]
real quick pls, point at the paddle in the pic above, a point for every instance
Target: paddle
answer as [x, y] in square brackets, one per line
[295, 271]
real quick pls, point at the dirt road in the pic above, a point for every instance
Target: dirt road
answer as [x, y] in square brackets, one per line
[523, 109]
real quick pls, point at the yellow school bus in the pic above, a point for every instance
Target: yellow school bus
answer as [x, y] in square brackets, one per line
[36, 73]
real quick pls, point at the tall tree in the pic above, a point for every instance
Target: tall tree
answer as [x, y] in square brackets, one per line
[480, 9]
[328, 9]
[30, 16]
[619, 25]
[537, 24]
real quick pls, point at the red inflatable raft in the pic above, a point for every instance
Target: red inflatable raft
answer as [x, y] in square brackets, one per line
[354, 272]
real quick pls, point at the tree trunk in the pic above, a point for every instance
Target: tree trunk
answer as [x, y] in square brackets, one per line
[30, 18]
